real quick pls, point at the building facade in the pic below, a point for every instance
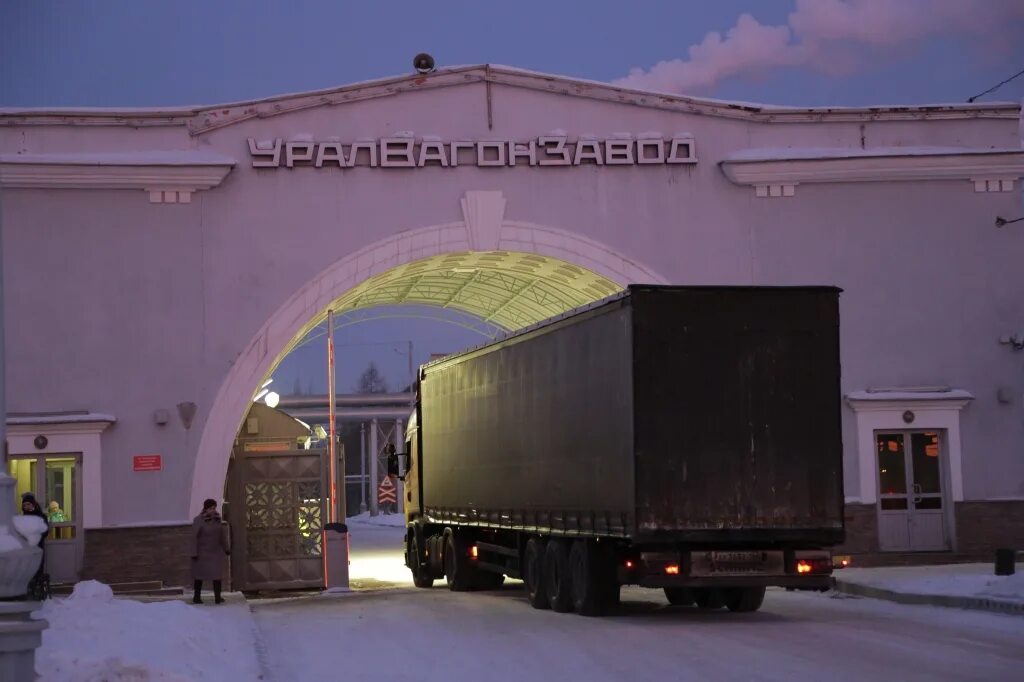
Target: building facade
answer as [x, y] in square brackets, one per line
[159, 263]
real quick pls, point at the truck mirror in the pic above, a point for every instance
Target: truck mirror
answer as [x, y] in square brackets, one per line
[392, 464]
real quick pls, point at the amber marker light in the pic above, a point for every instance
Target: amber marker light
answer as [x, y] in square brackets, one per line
[672, 569]
[803, 567]
[474, 552]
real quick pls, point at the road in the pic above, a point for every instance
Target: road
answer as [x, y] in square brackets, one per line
[397, 632]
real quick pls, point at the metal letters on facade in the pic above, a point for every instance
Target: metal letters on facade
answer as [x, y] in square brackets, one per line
[411, 152]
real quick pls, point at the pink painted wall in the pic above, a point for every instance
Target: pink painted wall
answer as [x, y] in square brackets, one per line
[121, 306]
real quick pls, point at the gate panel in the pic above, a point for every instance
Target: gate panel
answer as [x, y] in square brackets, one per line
[278, 506]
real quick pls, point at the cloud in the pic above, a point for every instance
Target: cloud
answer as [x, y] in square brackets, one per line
[827, 35]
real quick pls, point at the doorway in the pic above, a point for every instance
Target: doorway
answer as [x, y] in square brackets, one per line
[56, 482]
[912, 507]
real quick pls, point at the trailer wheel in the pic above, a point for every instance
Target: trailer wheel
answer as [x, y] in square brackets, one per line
[458, 571]
[420, 574]
[533, 573]
[744, 599]
[557, 576]
[708, 598]
[679, 596]
[591, 579]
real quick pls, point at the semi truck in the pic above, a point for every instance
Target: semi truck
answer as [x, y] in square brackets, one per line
[684, 438]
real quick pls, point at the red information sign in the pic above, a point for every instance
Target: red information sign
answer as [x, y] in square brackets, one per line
[386, 491]
[146, 463]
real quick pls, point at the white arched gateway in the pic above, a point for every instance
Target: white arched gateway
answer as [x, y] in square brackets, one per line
[518, 274]
[157, 263]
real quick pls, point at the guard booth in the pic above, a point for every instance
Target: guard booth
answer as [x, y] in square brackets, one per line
[276, 503]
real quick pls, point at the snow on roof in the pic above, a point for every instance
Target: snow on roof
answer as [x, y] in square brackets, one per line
[515, 76]
[910, 394]
[184, 157]
[795, 153]
[59, 418]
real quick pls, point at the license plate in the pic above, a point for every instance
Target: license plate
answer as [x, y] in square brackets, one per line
[736, 563]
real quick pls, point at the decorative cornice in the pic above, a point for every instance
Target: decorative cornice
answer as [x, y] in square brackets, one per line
[777, 173]
[168, 177]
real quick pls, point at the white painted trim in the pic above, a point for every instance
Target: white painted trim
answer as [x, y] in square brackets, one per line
[884, 412]
[78, 438]
[168, 177]
[891, 166]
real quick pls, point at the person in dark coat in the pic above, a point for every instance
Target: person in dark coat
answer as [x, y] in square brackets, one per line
[31, 507]
[210, 544]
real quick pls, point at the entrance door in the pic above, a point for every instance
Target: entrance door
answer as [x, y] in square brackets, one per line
[55, 480]
[911, 505]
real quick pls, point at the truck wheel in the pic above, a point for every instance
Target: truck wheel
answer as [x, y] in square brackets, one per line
[420, 574]
[590, 579]
[744, 599]
[557, 577]
[679, 596]
[709, 598]
[533, 574]
[458, 571]
[485, 580]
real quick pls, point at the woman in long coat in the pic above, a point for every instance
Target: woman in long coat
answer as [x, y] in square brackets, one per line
[210, 544]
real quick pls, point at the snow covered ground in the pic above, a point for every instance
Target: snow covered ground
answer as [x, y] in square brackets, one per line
[388, 630]
[428, 635]
[93, 637]
[959, 580]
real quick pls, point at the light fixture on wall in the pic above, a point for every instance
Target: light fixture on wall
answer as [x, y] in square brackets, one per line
[187, 412]
[272, 399]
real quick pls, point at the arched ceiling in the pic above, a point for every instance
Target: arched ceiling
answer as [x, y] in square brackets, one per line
[503, 289]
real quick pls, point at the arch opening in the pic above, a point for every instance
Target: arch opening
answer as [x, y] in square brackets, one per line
[495, 291]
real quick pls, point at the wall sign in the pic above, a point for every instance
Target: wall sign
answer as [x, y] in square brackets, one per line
[410, 152]
[147, 463]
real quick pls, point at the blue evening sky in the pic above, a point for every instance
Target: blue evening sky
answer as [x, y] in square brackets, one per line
[180, 52]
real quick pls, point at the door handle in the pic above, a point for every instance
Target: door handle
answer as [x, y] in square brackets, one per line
[917, 493]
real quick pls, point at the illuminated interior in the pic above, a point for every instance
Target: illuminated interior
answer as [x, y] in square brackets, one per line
[496, 291]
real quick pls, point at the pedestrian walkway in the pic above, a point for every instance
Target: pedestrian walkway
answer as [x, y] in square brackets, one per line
[969, 586]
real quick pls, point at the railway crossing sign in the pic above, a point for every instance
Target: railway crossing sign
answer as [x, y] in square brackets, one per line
[386, 491]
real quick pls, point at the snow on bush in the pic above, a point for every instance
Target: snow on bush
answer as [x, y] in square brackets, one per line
[94, 637]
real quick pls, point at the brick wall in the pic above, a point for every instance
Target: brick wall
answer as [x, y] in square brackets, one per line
[861, 530]
[983, 526]
[120, 555]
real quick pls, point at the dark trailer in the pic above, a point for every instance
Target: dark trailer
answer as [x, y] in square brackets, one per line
[680, 436]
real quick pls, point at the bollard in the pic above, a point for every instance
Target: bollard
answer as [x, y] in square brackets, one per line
[1006, 561]
[336, 555]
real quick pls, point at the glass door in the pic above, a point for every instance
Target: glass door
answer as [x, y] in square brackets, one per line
[54, 480]
[911, 504]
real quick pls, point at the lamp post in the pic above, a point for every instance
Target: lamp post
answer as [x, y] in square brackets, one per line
[19, 635]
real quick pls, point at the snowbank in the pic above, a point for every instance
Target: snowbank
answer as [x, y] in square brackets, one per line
[957, 580]
[392, 520]
[94, 637]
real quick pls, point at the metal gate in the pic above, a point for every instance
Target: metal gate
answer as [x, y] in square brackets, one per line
[277, 508]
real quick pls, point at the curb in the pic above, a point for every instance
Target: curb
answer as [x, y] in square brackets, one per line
[973, 603]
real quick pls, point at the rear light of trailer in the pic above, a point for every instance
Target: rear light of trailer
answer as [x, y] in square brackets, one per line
[629, 563]
[812, 563]
[474, 552]
[672, 569]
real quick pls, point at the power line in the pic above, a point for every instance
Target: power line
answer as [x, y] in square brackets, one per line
[997, 86]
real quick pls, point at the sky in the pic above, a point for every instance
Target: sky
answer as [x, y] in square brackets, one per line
[141, 53]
